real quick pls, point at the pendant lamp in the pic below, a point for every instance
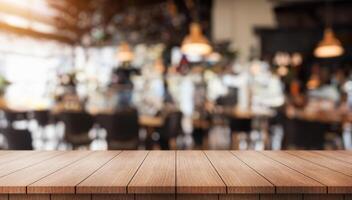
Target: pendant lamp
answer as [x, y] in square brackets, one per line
[329, 46]
[196, 43]
[124, 53]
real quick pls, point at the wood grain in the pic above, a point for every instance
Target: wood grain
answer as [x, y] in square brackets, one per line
[70, 197]
[65, 180]
[29, 197]
[4, 196]
[323, 197]
[239, 197]
[112, 197]
[328, 162]
[17, 181]
[197, 197]
[115, 175]
[286, 180]
[238, 177]
[8, 156]
[155, 197]
[155, 176]
[281, 197]
[26, 161]
[339, 155]
[195, 174]
[336, 182]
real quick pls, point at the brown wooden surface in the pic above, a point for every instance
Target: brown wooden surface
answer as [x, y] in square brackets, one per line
[238, 177]
[195, 174]
[285, 179]
[154, 176]
[25, 161]
[335, 181]
[17, 182]
[331, 163]
[144, 175]
[65, 180]
[339, 155]
[115, 175]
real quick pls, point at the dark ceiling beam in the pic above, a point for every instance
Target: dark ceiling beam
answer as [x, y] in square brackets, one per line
[28, 32]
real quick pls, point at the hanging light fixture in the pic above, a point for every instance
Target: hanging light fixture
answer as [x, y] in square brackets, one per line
[330, 46]
[124, 53]
[195, 43]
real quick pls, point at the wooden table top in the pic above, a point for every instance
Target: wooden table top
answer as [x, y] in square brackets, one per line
[171, 172]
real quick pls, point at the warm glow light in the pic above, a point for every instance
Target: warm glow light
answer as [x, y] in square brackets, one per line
[124, 53]
[44, 28]
[329, 47]
[195, 43]
[14, 20]
[282, 71]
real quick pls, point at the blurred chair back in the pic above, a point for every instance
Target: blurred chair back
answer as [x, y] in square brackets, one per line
[171, 129]
[77, 126]
[18, 139]
[12, 116]
[172, 125]
[122, 128]
[42, 117]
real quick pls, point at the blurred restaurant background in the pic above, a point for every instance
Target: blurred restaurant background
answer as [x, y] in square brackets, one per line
[175, 74]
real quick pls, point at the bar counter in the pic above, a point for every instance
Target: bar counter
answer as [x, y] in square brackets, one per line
[128, 175]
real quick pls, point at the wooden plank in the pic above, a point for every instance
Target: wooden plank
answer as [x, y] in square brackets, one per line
[239, 197]
[8, 156]
[281, 197]
[348, 197]
[156, 174]
[195, 174]
[328, 162]
[197, 197]
[4, 196]
[26, 161]
[286, 180]
[115, 175]
[113, 197]
[155, 197]
[17, 181]
[65, 180]
[29, 197]
[335, 181]
[323, 197]
[339, 155]
[70, 197]
[238, 177]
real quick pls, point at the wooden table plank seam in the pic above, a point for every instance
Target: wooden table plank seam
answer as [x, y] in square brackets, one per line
[334, 157]
[129, 182]
[297, 170]
[96, 170]
[71, 163]
[321, 164]
[227, 191]
[255, 171]
[35, 163]
[283, 178]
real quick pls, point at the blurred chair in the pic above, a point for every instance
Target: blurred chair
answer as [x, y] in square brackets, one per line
[238, 126]
[170, 130]
[43, 119]
[18, 139]
[77, 127]
[122, 128]
[15, 116]
[310, 135]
